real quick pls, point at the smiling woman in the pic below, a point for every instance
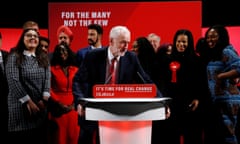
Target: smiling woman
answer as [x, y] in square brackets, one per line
[44, 43]
[234, 36]
[28, 77]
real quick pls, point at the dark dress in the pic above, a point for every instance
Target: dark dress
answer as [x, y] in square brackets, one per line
[183, 91]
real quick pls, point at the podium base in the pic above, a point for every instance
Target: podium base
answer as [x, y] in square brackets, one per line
[125, 132]
[125, 120]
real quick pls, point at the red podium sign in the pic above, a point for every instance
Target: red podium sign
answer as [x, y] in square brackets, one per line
[124, 91]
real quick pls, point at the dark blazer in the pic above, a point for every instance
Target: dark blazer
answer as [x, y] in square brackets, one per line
[93, 71]
[82, 52]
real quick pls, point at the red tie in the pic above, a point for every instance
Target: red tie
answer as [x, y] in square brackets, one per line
[113, 71]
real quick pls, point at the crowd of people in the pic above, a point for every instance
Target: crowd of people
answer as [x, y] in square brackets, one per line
[42, 90]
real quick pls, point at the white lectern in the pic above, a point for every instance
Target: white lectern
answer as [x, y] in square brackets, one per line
[125, 120]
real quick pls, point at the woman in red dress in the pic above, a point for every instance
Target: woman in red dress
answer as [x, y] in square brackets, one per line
[61, 107]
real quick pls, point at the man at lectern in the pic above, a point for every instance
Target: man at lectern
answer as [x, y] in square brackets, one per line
[97, 69]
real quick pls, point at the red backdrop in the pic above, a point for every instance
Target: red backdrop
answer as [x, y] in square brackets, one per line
[10, 36]
[142, 18]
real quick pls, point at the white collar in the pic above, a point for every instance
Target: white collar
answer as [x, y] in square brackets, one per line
[92, 47]
[28, 53]
[110, 56]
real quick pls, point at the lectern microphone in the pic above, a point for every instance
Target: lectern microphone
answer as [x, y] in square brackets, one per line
[141, 77]
[108, 79]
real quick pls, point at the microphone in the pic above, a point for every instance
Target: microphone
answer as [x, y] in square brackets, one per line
[159, 94]
[108, 79]
[141, 77]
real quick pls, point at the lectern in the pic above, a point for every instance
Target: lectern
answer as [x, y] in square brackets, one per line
[125, 120]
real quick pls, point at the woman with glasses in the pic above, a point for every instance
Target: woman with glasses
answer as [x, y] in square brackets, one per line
[28, 77]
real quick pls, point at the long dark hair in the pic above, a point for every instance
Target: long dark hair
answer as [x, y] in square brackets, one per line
[42, 58]
[57, 60]
[146, 54]
[189, 51]
[215, 53]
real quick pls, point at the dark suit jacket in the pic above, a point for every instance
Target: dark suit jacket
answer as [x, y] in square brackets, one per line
[93, 71]
[81, 54]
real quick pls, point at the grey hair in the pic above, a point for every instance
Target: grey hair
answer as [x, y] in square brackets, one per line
[154, 35]
[117, 30]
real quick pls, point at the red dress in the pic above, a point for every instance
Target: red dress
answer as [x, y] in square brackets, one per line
[61, 91]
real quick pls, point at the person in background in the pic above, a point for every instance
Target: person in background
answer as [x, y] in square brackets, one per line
[205, 105]
[3, 88]
[61, 104]
[155, 40]
[44, 43]
[147, 58]
[95, 32]
[165, 48]
[64, 35]
[28, 77]
[179, 79]
[223, 69]
[28, 25]
[94, 38]
[31, 24]
[163, 55]
[146, 55]
[95, 70]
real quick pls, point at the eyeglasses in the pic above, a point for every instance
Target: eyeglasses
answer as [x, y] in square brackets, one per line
[28, 35]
